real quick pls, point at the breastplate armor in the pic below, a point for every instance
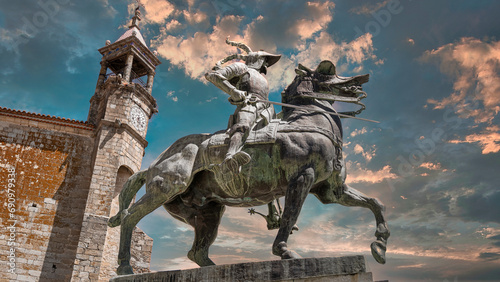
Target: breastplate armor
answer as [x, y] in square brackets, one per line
[254, 83]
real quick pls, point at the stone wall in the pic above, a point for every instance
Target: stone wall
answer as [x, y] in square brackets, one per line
[52, 161]
[140, 251]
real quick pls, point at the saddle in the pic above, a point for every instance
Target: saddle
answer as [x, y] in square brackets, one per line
[267, 134]
[257, 135]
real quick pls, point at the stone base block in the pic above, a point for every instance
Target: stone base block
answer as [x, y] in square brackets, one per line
[332, 269]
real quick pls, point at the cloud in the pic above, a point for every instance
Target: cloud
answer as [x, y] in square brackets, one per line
[474, 64]
[318, 17]
[173, 264]
[368, 8]
[301, 29]
[431, 166]
[489, 256]
[496, 240]
[356, 174]
[157, 11]
[198, 53]
[489, 140]
[367, 155]
[170, 95]
[489, 233]
[420, 265]
[323, 47]
[359, 131]
[291, 27]
[478, 206]
[172, 25]
[195, 17]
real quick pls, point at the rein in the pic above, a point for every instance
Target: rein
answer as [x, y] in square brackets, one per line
[255, 99]
[338, 98]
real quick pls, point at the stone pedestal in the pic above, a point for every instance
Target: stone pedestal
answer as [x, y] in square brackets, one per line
[333, 269]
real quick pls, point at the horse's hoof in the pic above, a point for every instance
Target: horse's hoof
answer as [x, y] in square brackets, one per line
[282, 250]
[124, 270]
[378, 251]
[290, 255]
[203, 260]
[115, 220]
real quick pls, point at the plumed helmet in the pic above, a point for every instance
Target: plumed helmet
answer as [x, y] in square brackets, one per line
[261, 59]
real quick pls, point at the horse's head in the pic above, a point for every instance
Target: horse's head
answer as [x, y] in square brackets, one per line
[323, 80]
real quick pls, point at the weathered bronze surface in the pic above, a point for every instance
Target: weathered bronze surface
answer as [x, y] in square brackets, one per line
[291, 157]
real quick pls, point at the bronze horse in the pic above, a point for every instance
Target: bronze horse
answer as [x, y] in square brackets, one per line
[305, 157]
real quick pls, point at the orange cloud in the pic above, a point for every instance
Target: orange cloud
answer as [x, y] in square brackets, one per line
[367, 155]
[419, 265]
[322, 47]
[489, 140]
[320, 16]
[198, 53]
[475, 65]
[173, 25]
[157, 11]
[194, 17]
[431, 166]
[356, 174]
[358, 131]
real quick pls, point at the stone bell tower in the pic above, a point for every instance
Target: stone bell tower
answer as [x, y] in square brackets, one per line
[120, 110]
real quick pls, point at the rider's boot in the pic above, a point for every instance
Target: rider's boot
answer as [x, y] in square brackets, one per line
[235, 158]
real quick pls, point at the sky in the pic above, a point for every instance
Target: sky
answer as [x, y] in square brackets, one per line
[433, 160]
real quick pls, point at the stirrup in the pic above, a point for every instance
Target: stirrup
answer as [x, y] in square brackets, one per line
[242, 158]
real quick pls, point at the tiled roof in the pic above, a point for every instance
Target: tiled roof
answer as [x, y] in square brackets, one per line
[134, 31]
[45, 118]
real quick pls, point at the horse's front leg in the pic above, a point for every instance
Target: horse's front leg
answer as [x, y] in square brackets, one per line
[153, 199]
[295, 196]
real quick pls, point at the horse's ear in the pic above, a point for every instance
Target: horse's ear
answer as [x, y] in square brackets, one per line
[326, 68]
[304, 68]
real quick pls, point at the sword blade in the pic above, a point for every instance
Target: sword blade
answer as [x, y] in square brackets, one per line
[318, 111]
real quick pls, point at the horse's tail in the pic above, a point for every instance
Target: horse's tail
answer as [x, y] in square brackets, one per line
[130, 188]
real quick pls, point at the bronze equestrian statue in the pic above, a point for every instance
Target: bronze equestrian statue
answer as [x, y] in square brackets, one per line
[291, 157]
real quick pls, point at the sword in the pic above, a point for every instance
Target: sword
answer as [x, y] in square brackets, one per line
[319, 111]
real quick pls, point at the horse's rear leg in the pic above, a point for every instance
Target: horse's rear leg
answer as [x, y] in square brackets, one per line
[205, 221]
[294, 199]
[353, 197]
[153, 199]
[348, 196]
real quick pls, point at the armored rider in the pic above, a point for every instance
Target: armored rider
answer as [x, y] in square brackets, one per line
[246, 85]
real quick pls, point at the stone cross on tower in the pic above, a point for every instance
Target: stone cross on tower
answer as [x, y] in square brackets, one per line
[137, 16]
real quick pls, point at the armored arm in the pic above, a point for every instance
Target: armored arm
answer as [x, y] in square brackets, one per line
[221, 77]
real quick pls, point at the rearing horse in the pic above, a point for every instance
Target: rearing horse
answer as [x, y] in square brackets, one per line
[304, 156]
